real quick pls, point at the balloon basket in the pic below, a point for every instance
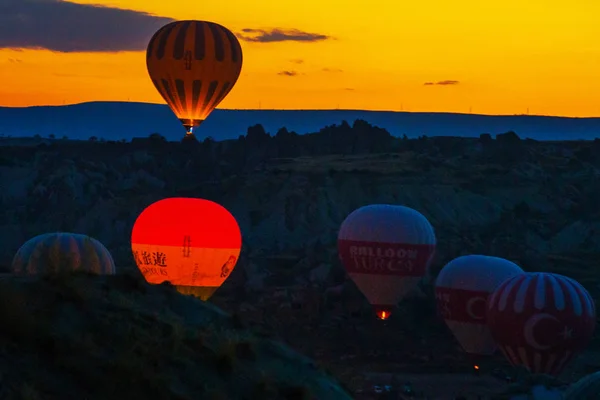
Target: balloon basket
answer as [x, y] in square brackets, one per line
[478, 363]
[201, 292]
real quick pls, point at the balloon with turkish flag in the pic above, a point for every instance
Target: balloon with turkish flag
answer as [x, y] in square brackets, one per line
[541, 320]
[461, 290]
[386, 250]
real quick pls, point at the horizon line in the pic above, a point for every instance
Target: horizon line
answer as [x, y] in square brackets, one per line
[312, 109]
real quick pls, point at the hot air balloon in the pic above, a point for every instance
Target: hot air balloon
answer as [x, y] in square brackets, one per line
[461, 290]
[587, 388]
[192, 243]
[54, 253]
[193, 65]
[386, 250]
[541, 320]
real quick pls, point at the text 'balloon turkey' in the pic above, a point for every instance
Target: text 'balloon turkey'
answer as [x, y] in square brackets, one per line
[541, 320]
[192, 243]
[461, 290]
[386, 250]
[193, 65]
[60, 252]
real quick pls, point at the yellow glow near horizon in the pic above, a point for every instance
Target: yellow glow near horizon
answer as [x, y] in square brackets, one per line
[510, 56]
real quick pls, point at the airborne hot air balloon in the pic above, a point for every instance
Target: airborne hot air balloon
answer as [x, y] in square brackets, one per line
[461, 290]
[59, 252]
[192, 243]
[193, 65]
[386, 250]
[541, 320]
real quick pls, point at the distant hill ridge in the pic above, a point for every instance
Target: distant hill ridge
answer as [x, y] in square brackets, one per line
[125, 120]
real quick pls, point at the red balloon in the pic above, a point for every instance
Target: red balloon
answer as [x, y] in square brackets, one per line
[192, 243]
[541, 320]
[386, 249]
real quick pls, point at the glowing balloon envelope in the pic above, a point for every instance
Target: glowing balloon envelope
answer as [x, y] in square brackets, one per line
[540, 320]
[462, 288]
[386, 250]
[193, 65]
[192, 243]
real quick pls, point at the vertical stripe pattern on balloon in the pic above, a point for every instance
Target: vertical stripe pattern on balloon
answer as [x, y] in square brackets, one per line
[541, 320]
[194, 65]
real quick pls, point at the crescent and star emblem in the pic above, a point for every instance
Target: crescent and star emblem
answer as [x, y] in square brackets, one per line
[470, 304]
[531, 324]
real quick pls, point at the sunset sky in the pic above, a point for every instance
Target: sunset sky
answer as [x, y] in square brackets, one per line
[488, 57]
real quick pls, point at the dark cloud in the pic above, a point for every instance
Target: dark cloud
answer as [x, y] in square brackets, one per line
[280, 35]
[288, 73]
[447, 83]
[442, 83]
[332, 70]
[61, 26]
[297, 61]
[15, 60]
[349, 89]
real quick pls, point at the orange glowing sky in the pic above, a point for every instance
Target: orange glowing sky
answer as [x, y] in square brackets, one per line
[504, 57]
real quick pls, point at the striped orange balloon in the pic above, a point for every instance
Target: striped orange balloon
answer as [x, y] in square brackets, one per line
[193, 65]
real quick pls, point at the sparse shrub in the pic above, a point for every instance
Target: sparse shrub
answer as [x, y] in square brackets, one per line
[245, 351]
[17, 321]
[294, 392]
[67, 287]
[195, 343]
[224, 363]
[157, 138]
[28, 392]
[260, 390]
[216, 395]
[236, 321]
[128, 282]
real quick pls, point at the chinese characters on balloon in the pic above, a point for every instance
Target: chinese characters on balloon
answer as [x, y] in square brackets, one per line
[152, 263]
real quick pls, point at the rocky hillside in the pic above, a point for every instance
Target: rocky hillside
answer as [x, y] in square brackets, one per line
[86, 337]
[532, 202]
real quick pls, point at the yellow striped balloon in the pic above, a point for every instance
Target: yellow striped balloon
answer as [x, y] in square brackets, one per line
[193, 65]
[55, 253]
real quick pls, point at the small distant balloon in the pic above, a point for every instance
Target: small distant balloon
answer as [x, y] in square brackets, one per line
[461, 290]
[386, 250]
[541, 320]
[193, 65]
[60, 252]
[192, 243]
